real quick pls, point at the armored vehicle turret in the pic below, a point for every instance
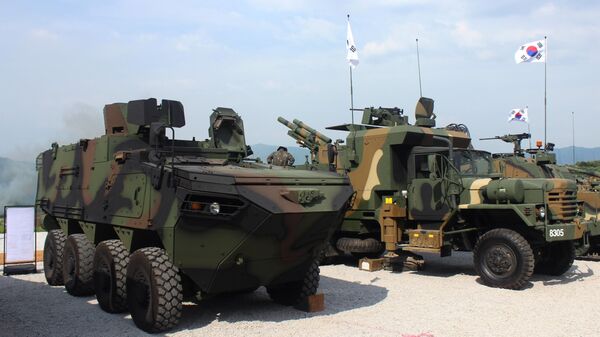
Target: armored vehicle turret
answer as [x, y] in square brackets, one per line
[423, 189]
[143, 219]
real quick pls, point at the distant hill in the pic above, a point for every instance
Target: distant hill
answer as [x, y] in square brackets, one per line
[564, 155]
[17, 183]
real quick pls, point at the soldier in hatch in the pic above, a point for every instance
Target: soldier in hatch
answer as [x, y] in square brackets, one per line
[281, 157]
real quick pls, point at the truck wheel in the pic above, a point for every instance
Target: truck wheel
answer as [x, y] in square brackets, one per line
[503, 259]
[293, 293]
[77, 265]
[556, 258]
[54, 247]
[110, 272]
[154, 290]
[354, 245]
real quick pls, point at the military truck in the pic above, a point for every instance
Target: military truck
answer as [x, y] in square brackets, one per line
[144, 221]
[423, 189]
[540, 162]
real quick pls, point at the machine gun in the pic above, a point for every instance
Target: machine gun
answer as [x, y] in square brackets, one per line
[311, 139]
[512, 138]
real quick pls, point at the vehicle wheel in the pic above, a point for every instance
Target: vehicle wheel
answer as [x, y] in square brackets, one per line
[77, 265]
[503, 259]
[154, 290]
[294, 293]
[354, 245]
[556, 258]
[54, 247]
[110, 272]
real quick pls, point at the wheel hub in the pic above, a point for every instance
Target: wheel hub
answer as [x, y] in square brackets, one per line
[501, 260]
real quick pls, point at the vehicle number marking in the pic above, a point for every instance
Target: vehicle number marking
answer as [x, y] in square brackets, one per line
[556, 232]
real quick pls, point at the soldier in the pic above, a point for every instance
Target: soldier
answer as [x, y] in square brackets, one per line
[281, 157]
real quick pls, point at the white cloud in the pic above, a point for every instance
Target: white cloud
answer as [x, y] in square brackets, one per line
[466, 36]
[190, 41]
[548, 9]
[43, 34]
[387, 46]
[312, 29]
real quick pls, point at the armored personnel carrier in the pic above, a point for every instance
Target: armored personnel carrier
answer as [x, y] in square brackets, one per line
[144, 221]
[423, 189]
[541, 162]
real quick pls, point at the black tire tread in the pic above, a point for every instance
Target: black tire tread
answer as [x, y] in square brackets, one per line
[120, 258]
[294, 293]
[521, 244]
[355, 245]
[84, 285]
[169, 288]
[557, 265]
[58, 238]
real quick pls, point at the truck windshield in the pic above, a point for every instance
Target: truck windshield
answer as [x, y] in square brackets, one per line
[470, 162]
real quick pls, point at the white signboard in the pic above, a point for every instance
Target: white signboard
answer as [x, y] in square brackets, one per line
[19, 236]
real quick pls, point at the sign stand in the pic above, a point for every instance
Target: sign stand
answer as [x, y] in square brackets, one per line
[19, 240]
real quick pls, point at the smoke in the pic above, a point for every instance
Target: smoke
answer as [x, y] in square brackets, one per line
[81, 120]
[17, 183]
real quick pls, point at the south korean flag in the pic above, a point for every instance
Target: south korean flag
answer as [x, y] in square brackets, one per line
[352, 56]
[531, 52]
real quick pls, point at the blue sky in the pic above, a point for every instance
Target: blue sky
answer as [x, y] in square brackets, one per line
[61, 61]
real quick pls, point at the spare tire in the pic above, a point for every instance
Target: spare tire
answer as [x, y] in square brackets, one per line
[355, 245]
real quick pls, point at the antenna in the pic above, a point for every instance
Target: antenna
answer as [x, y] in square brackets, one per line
[419, 66]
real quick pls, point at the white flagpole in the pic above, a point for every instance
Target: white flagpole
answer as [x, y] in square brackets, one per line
[528, 126]
[545, 96]
[351, 95]
[351, 84]
[419, 67]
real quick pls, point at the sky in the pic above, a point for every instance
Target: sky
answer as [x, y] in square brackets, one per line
[61, 61]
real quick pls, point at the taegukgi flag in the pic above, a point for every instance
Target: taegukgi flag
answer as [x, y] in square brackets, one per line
[352, 56]
[519, 115]
[531, 52]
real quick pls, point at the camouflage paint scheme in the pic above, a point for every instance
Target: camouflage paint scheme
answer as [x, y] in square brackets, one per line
[412, 197]
[272, 222]
[542, 164]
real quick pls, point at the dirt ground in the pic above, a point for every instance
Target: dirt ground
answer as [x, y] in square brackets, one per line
[446, 299]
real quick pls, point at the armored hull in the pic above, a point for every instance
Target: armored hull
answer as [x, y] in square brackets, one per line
[145, 205]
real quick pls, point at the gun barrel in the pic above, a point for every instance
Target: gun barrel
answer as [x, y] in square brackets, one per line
[489, 138]
[314, 132]
[287, 123]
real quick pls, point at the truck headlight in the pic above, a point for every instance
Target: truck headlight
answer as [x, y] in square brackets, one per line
[542, 212]
[215, 208]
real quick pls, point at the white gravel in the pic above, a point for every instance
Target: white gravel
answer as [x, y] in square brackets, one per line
[444, 300]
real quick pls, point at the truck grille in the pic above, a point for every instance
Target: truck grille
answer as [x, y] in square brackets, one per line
[562, 205]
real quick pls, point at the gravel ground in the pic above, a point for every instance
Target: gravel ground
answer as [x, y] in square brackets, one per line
[446, 299]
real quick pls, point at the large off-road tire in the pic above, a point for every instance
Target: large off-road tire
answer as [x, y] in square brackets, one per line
[110, 273]
[503, 259]
[556, 258]
[354, 245]
[54, 247]
[294, 293]
[154, 290]
[78, 261]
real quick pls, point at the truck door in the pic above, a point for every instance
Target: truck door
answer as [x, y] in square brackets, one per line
[427, 195]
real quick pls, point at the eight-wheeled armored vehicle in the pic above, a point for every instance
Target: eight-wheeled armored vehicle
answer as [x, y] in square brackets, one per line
[144, 221]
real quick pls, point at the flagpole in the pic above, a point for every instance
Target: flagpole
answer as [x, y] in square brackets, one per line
[351, 95]
[528, 126]
[545, 86]
[573, 131]
[419, 67]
